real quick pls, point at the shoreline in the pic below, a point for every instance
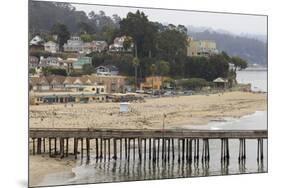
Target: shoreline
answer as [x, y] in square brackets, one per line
[40, 166]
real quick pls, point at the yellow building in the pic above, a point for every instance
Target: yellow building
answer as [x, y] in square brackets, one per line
[152, 82]
[201, 47]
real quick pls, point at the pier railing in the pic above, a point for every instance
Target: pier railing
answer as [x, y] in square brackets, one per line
[145, 133]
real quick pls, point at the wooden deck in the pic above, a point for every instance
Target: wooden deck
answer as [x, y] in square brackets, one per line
[145, 133]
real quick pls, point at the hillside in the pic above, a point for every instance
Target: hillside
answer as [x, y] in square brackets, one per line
[43, 15]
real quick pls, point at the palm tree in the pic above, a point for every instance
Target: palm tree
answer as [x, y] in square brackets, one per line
[153, 69]
[136, 63]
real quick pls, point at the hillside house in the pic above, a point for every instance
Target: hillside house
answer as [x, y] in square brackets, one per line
[201, 47]
[51, 46]
[107, 70]
[118, 45]
[49, 62]
[33, 62]
[74, 44]
[36, 43]
[99, 46]
[82, 61]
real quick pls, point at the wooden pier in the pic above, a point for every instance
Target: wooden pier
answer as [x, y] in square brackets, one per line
[148, 144]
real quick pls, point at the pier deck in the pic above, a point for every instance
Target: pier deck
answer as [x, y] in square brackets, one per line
[145, 133]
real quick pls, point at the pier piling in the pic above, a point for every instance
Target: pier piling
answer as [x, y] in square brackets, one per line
[88, 148]
[97, 148]
[121, 151]
[114, 149]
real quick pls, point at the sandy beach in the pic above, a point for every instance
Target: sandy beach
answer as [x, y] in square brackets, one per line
[180, 110]
[41, 165]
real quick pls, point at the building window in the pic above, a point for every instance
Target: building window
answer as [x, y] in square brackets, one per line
[102, 90]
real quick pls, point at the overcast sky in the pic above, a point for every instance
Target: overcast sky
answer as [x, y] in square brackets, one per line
[234, 23]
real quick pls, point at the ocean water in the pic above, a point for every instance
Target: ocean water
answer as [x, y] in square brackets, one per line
[122, 170]
[258, 79]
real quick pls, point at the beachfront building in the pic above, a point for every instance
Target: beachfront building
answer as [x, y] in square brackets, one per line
[74, 44]
[39, 84]
[113, 83]
[86, 88]
[201, 47]
[37, 98]
[56, 82]
[51, 46]
[118, 45]
[60, 89]
[103, 84]
[152, 82]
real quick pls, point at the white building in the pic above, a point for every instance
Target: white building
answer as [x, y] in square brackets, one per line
[74, 44]
[99, 46]
[51, 46]
[49, 61]
[107, 70]
[118, 45]
[37, 40]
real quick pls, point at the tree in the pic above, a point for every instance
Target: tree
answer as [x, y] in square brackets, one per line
[136, 63]
[32, 71]
[226, 56]
[129, 80]
[92, 15]
[239, 63]
[182, 29]
[128, 41]
[171, 43]
[116, 18]
[193, 83]
[53, 71]
[62, 32]
[109, 33]
[168, 83]
[208, 68]
[87, 37]
[88, 69]
[85, 28]
[141, 30]
[153, 69]
[163, 68]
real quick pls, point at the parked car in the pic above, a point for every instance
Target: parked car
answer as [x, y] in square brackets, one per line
[189, 92]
